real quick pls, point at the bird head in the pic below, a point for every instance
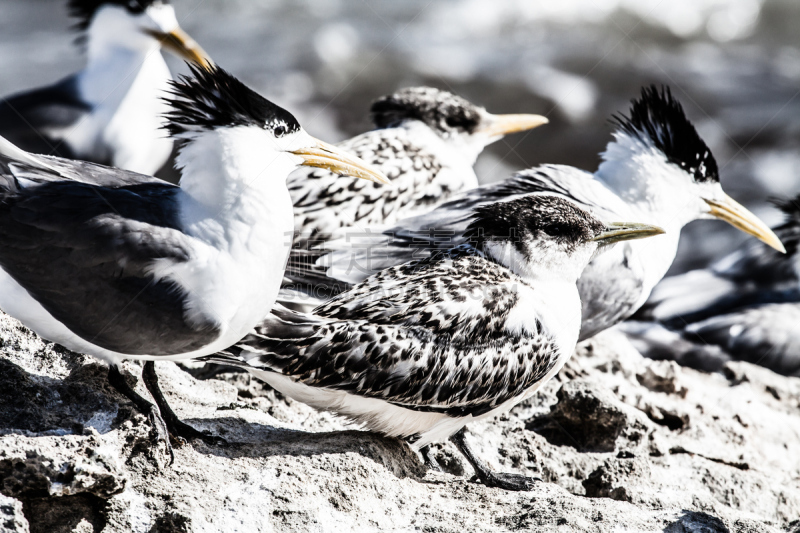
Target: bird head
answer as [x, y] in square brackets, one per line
[221, 121]
[136, 24]
[659, 141]
[459, 122]
[546, 237]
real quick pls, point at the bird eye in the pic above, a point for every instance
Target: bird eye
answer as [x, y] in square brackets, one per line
[279, 131]
[134, 6]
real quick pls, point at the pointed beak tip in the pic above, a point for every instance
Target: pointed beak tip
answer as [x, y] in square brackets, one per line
[627, 231]
[500, 125]
[738, 216]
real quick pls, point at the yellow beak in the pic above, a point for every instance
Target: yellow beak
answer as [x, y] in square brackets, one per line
[182, 45]
[336, 160]
[499, 125]
[626, 231]
[739, 217]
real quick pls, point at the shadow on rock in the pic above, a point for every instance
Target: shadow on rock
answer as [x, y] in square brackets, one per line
[696, 522]
[590, 419]
[247, 439]
[38, 404]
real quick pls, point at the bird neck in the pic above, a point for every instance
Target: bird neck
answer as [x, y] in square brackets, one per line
[112, 70]
[456, 152]
[651, 186]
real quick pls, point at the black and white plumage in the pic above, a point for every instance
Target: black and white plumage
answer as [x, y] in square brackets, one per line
[120, 265]
[426, 143]
[111, 112]
[747, 304]
[657, 169]
[421, 349]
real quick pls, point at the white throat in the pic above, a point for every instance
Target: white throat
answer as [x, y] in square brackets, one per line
[124, 82]
[235, 204]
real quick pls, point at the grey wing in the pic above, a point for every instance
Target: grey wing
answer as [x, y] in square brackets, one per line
[30, 119]
[654, 341]
[610, 288]
[84, 252]
[765, 335]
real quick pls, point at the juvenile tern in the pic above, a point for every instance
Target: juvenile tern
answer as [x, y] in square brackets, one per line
[657, 170]
[420, 350]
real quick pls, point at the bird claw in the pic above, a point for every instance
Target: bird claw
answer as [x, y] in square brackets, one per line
[430, 459]
[162, 432]
[505, 481]
[184, 433]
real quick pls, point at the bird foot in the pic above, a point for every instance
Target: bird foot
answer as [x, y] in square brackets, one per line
[505, 481]
[430, 459]
[162, 433]
[182, 432]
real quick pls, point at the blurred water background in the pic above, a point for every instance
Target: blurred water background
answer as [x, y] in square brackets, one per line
[734, 64]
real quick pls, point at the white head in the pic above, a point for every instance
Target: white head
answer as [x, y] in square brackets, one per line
[543, 237]
[467, 127]
[136, 25]
[658, 158]
[230, 134]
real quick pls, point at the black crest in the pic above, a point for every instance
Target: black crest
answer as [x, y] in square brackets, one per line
[658, 118]
[84, 10]
[790, 208]
[533, 217]
[212, 98]
[443, 111]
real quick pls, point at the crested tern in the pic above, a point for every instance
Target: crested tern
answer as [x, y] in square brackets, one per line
[426, 143]
[657, 169]
[123, 266]
[111, 112]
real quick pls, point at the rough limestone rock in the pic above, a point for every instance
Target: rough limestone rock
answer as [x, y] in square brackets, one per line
[621, 443]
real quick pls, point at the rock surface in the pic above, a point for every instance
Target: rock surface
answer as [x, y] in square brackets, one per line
[622, 443]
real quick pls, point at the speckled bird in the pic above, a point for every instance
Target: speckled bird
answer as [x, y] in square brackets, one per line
[657, 170]
[420, 350]
[426, 143]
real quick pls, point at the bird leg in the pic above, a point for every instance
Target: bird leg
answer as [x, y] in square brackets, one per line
[488, 477]
[118, 381]
[177, 428]
[430, 459]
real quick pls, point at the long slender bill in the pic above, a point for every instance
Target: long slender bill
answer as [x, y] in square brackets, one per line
[741, 218]
[626, 231]
[329, 157]
[499, 125]
[182, 45]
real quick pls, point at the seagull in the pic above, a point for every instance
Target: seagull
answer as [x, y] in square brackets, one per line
[747, 304]
[426, 142]
[657, 169]
[120, 265]
[111, 112]
[420, 350]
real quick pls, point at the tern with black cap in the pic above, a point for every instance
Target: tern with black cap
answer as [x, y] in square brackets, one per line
[657, 169]
[111, 112]
[124, 266]
[420, 350]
